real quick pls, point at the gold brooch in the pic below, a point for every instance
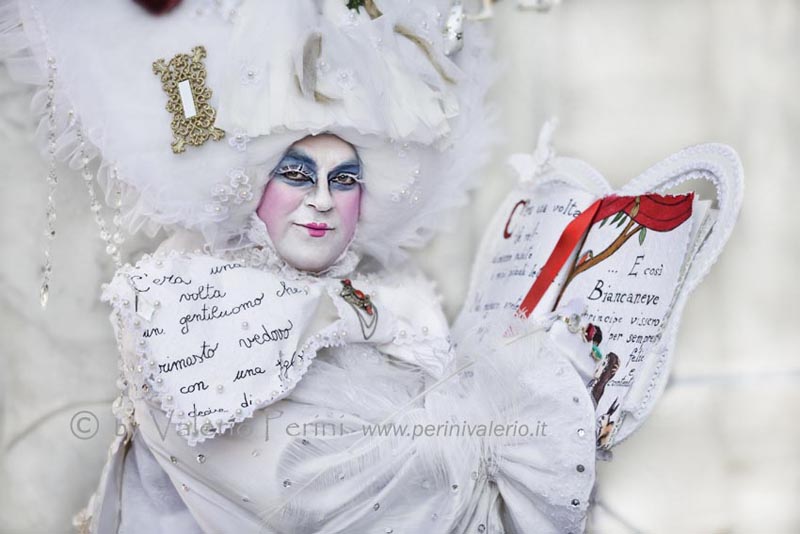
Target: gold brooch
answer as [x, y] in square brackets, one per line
[184, 81]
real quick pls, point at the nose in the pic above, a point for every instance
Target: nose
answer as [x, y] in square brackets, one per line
[320, 197]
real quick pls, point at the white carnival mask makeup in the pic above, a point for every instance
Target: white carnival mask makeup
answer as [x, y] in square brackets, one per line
[312, 202]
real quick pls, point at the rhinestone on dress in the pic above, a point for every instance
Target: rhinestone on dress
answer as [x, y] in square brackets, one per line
[201, 458]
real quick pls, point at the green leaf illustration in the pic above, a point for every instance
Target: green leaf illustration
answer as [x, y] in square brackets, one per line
[642, 233]
[617, 216]
[623, 220]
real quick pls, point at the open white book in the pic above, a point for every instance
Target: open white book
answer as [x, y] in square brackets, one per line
[632, 262]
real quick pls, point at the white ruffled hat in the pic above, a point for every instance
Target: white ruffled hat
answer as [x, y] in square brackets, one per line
[268, 74]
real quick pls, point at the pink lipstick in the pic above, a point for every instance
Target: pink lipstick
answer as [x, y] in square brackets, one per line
[316, 229]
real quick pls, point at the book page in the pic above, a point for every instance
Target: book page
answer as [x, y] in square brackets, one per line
[517, 244]
[629, 269]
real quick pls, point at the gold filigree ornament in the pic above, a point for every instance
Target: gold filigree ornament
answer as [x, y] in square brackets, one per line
[184, 81]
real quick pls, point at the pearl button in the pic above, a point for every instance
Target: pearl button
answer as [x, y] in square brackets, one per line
[580, 468]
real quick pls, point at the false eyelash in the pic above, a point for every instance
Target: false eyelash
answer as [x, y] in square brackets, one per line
[295, 168]
[356, 177]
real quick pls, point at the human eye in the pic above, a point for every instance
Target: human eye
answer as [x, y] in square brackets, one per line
[295, 174]
[344, 180]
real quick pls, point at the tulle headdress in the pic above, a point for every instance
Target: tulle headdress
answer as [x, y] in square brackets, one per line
[181, 117]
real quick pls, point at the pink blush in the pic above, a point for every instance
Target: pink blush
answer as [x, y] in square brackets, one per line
[349, 206]
[277, 203]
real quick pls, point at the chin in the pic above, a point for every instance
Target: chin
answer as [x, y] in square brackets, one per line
[310, 266]
[312, 261]
[312, 255]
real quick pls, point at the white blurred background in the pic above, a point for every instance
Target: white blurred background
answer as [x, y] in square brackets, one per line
[632, 81]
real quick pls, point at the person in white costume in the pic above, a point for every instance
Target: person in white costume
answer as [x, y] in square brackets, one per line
[283, 368]
[389, 429]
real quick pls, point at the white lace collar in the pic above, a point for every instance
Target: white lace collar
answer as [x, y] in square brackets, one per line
[260, 253]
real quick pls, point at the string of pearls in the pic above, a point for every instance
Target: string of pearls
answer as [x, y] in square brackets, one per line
[52, 183]
[113, 238]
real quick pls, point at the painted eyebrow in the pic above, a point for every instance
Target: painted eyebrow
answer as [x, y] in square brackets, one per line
[352, 166]
[302, 157]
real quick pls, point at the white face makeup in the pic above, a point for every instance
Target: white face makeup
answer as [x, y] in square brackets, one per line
[312, 202]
